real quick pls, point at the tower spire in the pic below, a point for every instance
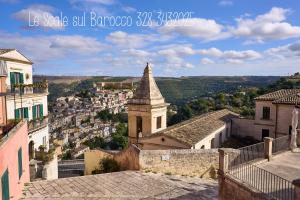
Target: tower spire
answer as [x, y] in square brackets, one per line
[147, 91]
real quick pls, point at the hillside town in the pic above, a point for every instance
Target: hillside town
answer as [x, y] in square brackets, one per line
[50, 155]
[75, 119]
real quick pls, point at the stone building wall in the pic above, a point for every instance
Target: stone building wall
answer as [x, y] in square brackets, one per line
[189, 162]
[231, 188]
[244, 127]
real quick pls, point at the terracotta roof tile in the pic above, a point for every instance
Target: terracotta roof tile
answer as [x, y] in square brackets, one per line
[193, 130]
[3, 51]
[285, 96]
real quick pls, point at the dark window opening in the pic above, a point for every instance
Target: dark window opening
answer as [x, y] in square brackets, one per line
[212, 143]
[266, 112]
[158, 122]
[139, 125]
[220, 139]
[265, 133]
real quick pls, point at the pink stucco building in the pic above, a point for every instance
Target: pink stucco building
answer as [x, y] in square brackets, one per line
[14, 160]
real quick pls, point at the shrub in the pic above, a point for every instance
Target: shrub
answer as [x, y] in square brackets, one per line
[109, 165]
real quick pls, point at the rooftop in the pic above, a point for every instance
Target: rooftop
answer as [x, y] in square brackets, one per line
[193, 130]
[3, 51]
[123, 185]
[284, 96]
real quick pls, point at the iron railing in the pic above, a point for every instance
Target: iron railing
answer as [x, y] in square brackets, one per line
[70, 168]
[246, 154]
[37, 124]
[281, 144]
[264, 181]
[22, 89]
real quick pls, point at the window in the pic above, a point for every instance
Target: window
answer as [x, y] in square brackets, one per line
[264, 133]
[220, 139]
[202, 147]
[290, 130]
[44, 141]
[227, 132]
[16, 78]
[158, 122]
[212, 143]
[21, 113]
[37, 111]
[20, 162]
[5, 186]
[266, 113]
[139, 125]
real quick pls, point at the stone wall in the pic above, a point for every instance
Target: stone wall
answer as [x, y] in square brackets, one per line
[129, 158]
[92, 160]
[189, 162]
[50, 170]
[231, 188]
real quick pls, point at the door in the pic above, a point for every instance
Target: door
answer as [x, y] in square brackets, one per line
[5, 186]
[265, 133]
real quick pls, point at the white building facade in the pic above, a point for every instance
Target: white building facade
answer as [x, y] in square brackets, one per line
[26, 99]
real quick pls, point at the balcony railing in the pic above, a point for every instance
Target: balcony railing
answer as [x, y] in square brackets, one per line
[36, 124]
[23, 89]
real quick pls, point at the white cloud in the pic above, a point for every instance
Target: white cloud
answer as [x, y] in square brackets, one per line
[211, 52]
[104, 2]
[137, 53]
[176, 51]
[203, 29]
[42, 13]
[124, 39]
[97, 6]
[207, 61]
[128, 9]
[231, 56]
[234, 61]
[50, 48]
[214, 52]
[286, 51]
[225, 3]
[269, 26]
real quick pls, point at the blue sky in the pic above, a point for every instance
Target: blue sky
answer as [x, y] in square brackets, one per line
[207, 37]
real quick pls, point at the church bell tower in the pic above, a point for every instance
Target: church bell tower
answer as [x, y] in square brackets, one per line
[147, 110]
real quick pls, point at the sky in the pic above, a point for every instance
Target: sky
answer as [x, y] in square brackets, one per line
[178, 38]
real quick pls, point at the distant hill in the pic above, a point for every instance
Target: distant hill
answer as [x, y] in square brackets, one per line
[285, 83]
[175, 90]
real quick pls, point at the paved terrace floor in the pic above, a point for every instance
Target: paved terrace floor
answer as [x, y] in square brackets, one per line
[285, 165]
[124, 185]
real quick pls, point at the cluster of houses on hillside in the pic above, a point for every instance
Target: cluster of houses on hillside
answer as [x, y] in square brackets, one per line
[74, 119]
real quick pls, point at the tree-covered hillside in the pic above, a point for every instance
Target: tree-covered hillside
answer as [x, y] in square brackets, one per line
[176, 91]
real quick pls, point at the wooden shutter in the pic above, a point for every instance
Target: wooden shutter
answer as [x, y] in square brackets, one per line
[41, 111]
[12, 81]
[17, 114]
[21, 78]
[26, 113]
[33, 112]
[5, 186]
[20, 162]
